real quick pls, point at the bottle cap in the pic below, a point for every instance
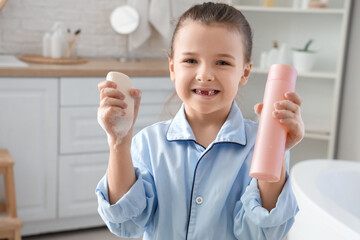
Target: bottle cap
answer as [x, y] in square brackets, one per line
[282, 72]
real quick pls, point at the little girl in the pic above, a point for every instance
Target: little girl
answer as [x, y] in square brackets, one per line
[188, 178]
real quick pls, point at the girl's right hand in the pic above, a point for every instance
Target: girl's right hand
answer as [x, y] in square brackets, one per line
[112, 103]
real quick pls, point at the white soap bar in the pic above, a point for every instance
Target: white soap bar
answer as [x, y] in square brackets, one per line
[122, 124]
[123, 83]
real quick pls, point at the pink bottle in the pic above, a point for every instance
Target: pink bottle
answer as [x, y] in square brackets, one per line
[270, 140]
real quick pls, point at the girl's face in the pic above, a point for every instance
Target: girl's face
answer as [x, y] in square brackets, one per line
[207, 67]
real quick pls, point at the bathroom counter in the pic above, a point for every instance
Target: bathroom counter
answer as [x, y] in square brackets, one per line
[95, 67]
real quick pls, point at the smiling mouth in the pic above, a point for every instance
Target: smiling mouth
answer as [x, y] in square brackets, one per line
[206, 92]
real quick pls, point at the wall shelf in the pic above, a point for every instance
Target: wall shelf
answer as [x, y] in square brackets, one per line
[319, 89]
[290, 10]
[320, 75]
[318, 136]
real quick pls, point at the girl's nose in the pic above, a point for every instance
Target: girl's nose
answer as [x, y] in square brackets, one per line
[205, 74]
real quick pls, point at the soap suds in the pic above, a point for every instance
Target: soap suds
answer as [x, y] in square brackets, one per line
[122, 119]
[120, 125]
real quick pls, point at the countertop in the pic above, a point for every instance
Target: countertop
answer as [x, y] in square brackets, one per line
[95, 67]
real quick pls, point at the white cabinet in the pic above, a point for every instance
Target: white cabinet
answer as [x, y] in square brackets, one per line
[320, 89]
[79, 175]
[83, 155]
[50, 127]
[80, 132]
[79, 100]
[28, 129]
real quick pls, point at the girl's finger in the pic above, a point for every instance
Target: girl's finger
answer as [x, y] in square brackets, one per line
[283, 114]
[111, 92]
[287, 105]
[106, 84]
[293, 97]
[293, 126]
[258, 108]
[114, 110]
[112, 102]
[135, 93]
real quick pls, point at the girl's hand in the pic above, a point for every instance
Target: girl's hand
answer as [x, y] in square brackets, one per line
[288, 113]
[112, 103]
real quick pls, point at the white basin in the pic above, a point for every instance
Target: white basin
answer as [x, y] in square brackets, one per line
[328, 194]
[11, 61]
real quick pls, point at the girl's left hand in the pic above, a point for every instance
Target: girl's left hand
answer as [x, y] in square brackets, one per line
[288, 113]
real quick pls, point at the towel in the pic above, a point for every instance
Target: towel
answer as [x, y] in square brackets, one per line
[159, 14]
[163, 13]
[156, 13]
[143, 32]
[160, 17]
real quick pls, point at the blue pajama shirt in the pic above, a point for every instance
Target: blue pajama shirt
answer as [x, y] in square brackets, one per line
[186, 191]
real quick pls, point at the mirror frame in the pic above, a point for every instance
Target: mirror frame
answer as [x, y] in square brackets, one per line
[2, 3]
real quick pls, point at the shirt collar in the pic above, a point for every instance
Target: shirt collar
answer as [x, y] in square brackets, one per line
[233, 130]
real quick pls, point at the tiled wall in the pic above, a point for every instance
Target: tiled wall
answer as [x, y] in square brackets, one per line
[24, 22]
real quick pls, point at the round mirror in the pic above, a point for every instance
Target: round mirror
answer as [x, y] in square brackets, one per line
[124, 19]
[2, 3]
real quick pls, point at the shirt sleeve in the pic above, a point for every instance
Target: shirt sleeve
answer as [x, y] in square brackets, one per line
[129, 216]
[252, 221]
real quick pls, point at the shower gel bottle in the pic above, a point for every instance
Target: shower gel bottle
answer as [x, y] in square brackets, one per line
[271, 136]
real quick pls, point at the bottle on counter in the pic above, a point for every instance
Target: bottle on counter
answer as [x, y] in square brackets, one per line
[58, 41]
[263, 60]
[283, 54]
[273, 55]
[56, 45]
[46, 45]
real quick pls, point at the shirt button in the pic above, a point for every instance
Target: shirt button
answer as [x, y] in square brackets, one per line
[199, 200]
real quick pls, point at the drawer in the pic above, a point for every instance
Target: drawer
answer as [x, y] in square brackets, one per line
[78, 178]
[80, 131]
[84, 91]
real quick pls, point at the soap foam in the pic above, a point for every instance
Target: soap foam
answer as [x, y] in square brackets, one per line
[120, 124]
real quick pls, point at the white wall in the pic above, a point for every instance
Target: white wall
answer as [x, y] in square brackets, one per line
[24, 22]
[349, 123]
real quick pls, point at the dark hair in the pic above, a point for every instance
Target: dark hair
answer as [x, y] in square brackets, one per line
[217, 13]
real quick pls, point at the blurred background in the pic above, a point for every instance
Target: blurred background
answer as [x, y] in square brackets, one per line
[53, 54]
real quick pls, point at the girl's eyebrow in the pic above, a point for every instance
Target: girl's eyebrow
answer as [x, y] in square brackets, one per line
[226, 55]
[217, 55]
[189, 53]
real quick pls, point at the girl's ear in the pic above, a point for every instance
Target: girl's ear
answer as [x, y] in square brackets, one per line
[246, 74]
[171, 69]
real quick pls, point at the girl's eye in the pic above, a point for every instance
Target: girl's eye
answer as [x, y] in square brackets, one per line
[190, 61]
[222, 63]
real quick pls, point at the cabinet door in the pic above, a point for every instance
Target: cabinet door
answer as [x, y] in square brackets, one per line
[84, 91]
[80, 131]
[79, 100]
[78, 177]
[28, 129]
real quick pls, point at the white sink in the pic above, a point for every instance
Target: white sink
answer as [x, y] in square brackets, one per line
[11, 61]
